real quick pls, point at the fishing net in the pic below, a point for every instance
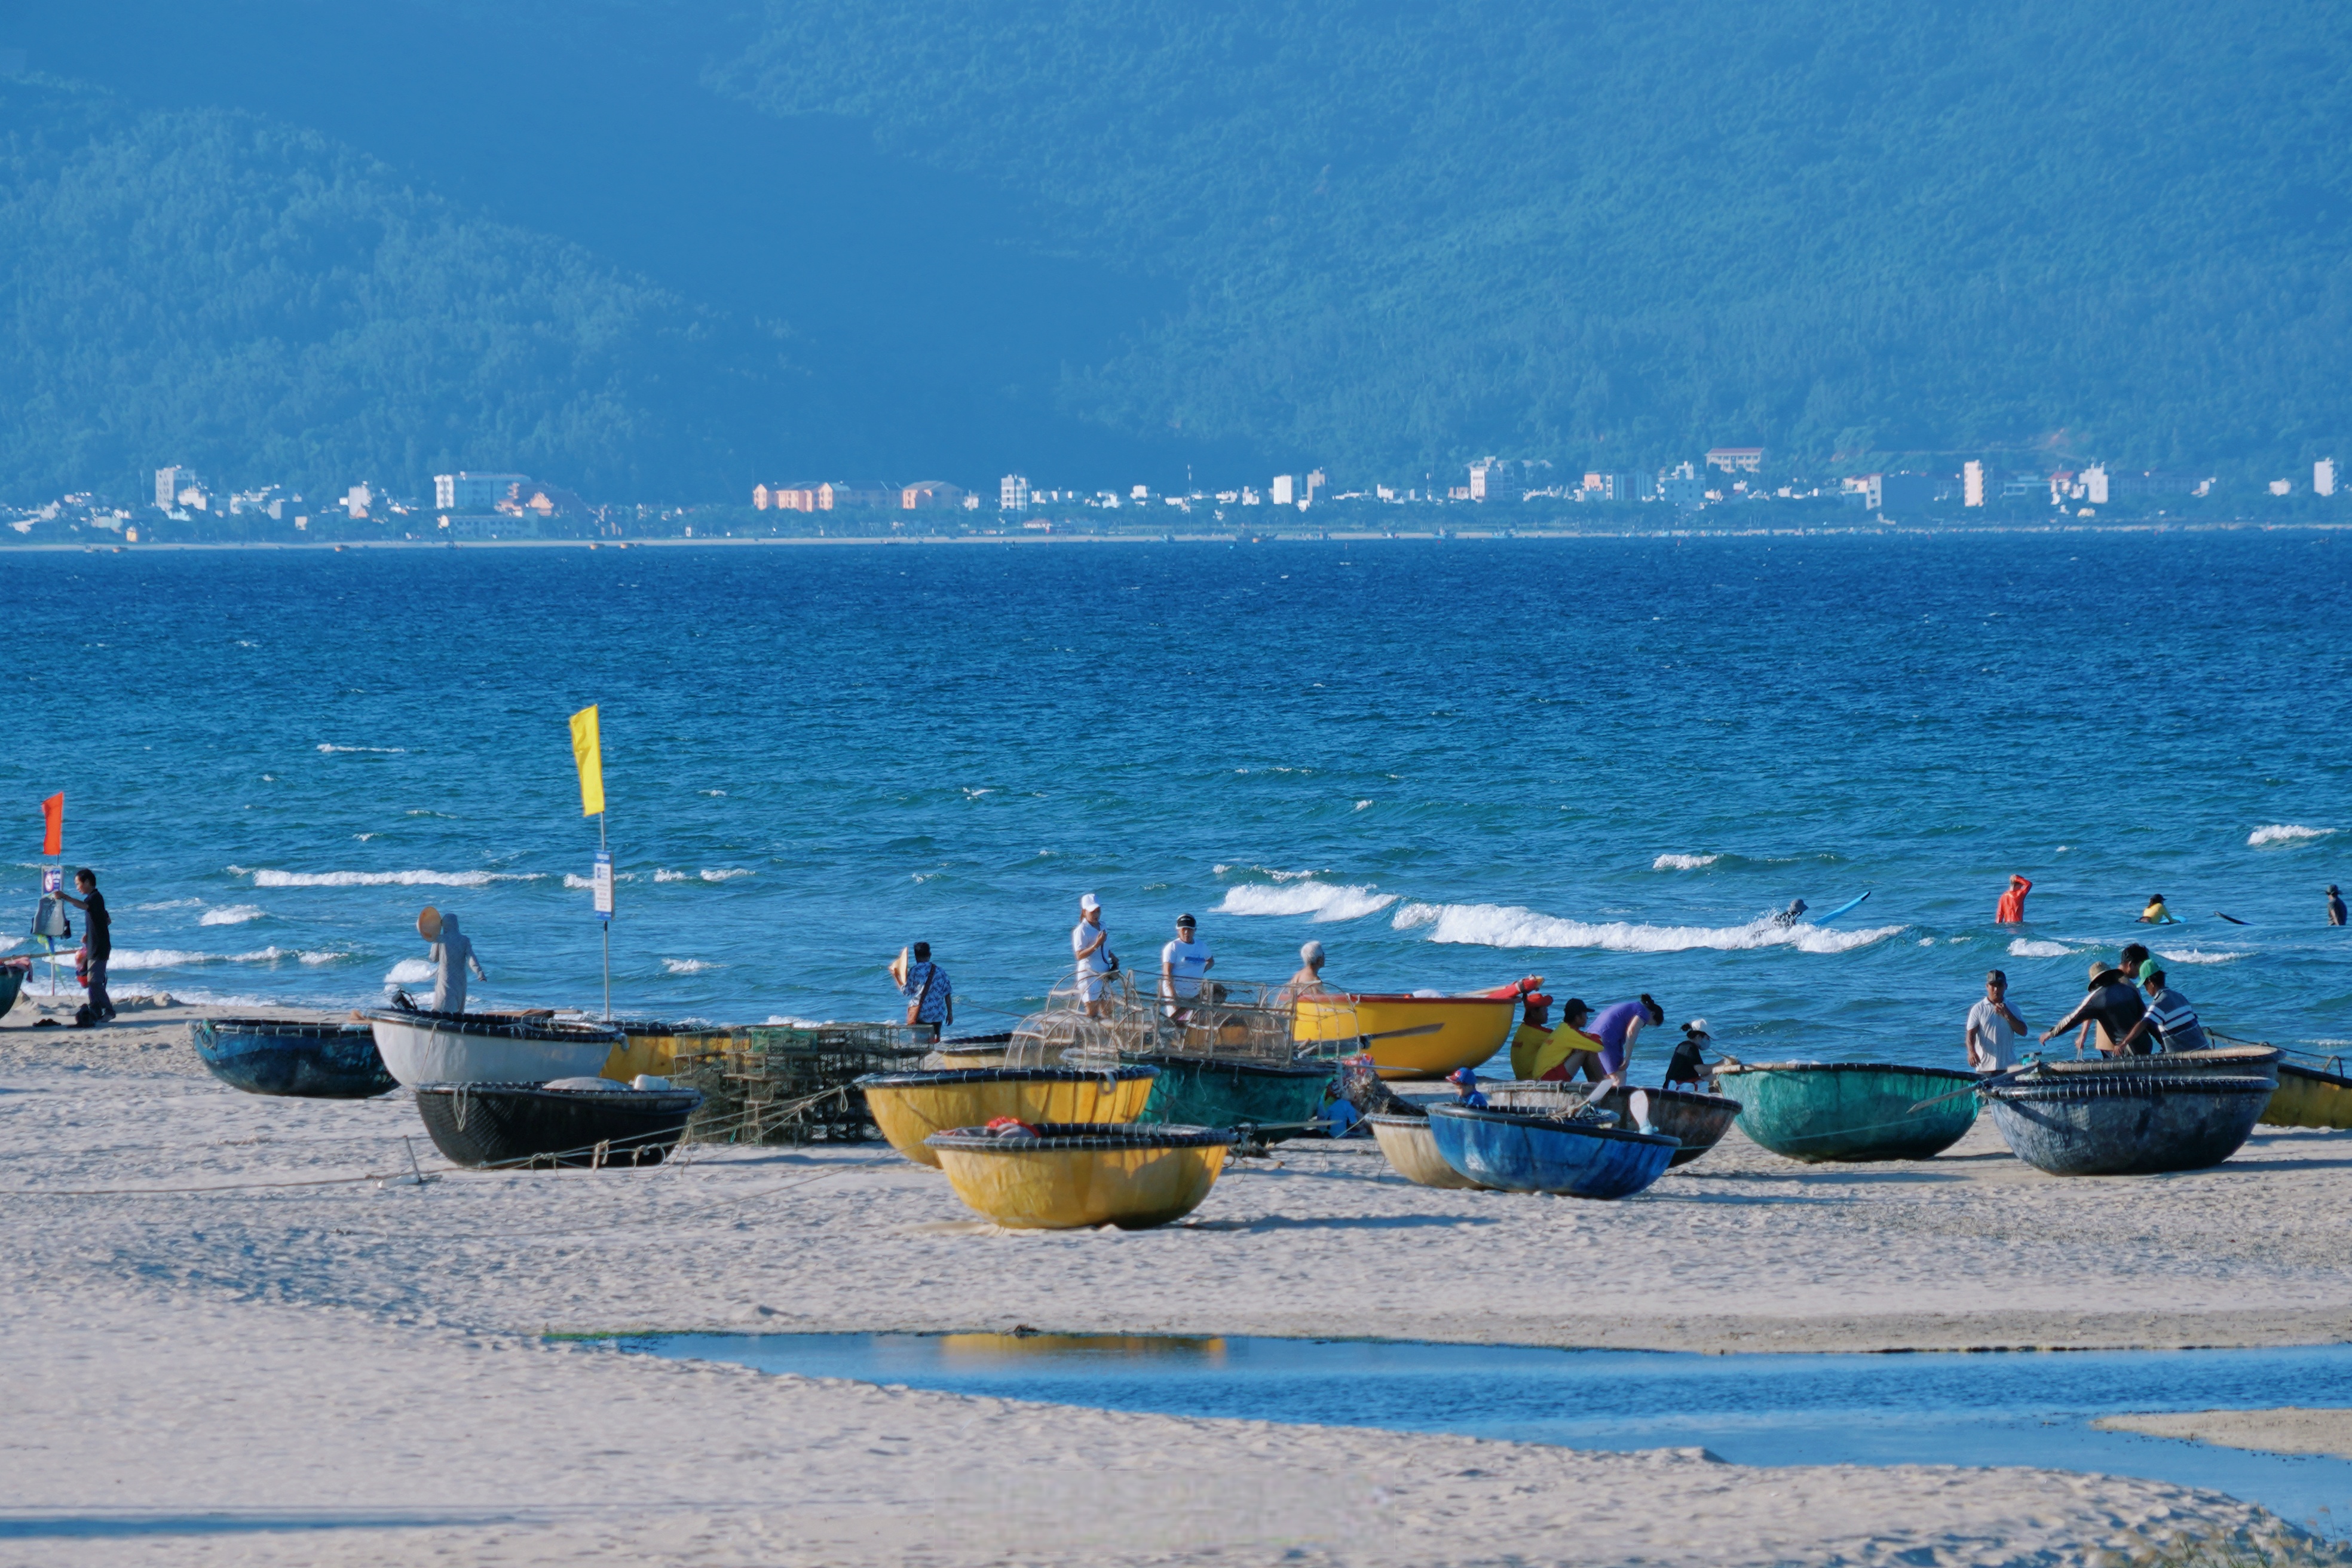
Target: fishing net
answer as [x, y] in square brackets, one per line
[1089, 1021]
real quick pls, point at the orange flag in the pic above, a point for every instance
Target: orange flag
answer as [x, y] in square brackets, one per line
[54, 808]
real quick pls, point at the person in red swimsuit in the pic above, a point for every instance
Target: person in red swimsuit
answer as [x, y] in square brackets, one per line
[2012, 904]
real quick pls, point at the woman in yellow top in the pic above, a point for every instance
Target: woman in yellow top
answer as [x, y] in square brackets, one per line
[1566, 1051]
[2156, 914]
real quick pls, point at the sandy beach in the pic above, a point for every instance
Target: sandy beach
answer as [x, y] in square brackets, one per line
[231, 1344]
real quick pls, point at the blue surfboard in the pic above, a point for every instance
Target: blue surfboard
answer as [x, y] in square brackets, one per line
[1824, 919]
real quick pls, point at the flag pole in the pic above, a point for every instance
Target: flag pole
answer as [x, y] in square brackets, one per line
[588, 756]
[606, 923]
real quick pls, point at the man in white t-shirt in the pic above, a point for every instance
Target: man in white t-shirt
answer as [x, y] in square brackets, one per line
[1090, 947]
[1994, 1027]
[1182, 962]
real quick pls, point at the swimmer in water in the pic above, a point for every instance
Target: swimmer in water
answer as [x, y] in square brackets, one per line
[1792, 915]
[2156, 914]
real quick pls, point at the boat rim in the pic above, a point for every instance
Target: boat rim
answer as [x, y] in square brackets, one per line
[1522, 1085]
[1279, 1070]
[649, 1098]
[2296, 1070]
[497, 1024]
[292, 1028]
[1344, 997]
[928, 1078]
[1552, 1124]
[2141, 1086]
[1953, 1075]
[1094, 1137]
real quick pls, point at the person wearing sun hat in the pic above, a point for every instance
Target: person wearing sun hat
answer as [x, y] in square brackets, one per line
[1090, 948]
[2111, 1004]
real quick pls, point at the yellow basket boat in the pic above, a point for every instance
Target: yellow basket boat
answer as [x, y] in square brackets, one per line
[909, 1107]
[1469, 1029]
[1074, 1174]
[2306, 1096]
[650, 1048]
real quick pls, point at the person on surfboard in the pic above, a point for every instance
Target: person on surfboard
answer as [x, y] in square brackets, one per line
[2156, 914]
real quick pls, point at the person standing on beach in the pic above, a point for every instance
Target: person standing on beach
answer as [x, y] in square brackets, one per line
[2170, 1022]
[2111, 1005]
[1533, 1033]
[2335, 906]
[98, 942]
[1993, 1027]
[1617, 1029]
[1090, 947]
[2011, 911]
[1183, 964]
[930, 1000]
[1308, 981]
[452, 954]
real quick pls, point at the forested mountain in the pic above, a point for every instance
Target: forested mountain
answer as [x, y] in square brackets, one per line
[666, 247]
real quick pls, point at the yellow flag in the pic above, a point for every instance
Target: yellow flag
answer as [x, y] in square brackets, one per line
[589, 752]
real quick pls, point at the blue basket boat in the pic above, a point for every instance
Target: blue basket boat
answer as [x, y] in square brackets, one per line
[1520, 1153]
[306, 1059]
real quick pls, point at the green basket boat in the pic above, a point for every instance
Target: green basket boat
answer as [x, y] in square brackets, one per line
[1851, 1111]
[1273, 1100]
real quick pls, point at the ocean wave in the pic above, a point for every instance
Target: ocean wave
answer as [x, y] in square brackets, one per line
[727, 875]
[662, 874]
[1683, 862]
[1324, 900]
[1269, 872]
[1510, 925]
[409, 972]
[129, 958]
[2198, 955]
[388, 879]
[689, 965]
[2034, 947]
[2285, 832]
[230, 915]
[1363, 806]
[175, 904]
[379, 751]
[571, 880]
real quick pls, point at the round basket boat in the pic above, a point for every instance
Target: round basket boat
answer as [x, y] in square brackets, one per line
[305, 1058]
[1263, 1101]
[488, 1047]
[2127, 1124]
[973, 1050]
[1823, 1112]
[1074, 1174]
[1521, 1152]
[586, 1123]
[13, 973]
[1696, 1121]
[1413, 1153]
[2307, 1097]
[909, 1107]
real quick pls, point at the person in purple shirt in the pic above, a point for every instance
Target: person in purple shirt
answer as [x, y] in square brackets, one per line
[1617, 1028]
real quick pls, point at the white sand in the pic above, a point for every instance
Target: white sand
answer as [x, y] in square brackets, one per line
[354, 1373]
[2290, 1429]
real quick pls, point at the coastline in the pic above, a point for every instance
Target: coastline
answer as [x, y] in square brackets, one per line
[1225, 536]
[224, 1317]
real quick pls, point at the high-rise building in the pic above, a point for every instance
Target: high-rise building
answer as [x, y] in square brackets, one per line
[1013, 493]
[1316, 485]
[2094, 484]
[470, 492]
[2323, 476]
[1972, 482]
[168, 482]
[1483, 478]
[1282, 483]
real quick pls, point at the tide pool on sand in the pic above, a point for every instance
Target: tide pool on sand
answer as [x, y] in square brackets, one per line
[1945, 1408]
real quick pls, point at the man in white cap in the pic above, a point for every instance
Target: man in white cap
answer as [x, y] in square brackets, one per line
[1090, 945]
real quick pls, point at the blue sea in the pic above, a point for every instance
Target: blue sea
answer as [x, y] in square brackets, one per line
[1455, 763]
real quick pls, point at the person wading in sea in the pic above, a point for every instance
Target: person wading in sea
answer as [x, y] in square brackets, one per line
[2335, 906]
[2011, 911]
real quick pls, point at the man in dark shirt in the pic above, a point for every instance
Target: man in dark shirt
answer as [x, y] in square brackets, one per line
[98, 940]
[2113, 1003]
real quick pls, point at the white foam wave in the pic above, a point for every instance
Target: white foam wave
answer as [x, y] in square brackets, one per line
[689, 965]
[664, 875]
[571, 880]
[230, 915]
[1502, 925]
[175, 904]
[2198, 955]
[1363, 806]
[181, 958]
[388, 879]
[727, 875]
[1323, 900]
[2285, 832]
[1683, 862]
[1270, 873]
[379, 751]
[409, 972]
[2034, 947]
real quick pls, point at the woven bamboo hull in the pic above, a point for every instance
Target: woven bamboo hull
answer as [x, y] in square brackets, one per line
[304, 1061]
[1076, 1175]
[2128, 1126]
[1851, 1111]
[478, 1124]
[1470, 1029]
[2306, 1096]
[446, 1047]
[12, 982]
[1195, 1091]
[1413, 1153]
[910, 1106]
[1696, 1121]
[1522, 1154]
[654, 1049]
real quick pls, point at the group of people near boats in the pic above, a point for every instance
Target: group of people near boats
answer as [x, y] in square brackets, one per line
[2129, 1008]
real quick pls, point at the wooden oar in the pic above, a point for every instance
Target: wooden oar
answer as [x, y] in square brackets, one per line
[2002, 1077]
[1400, 1033]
